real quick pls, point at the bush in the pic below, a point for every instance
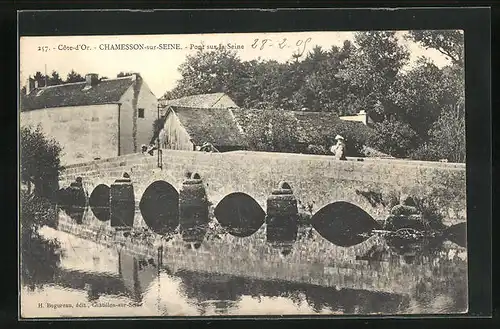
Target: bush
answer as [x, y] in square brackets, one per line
[395, 138]
[39, 257]
[317, 149]
[40, 162]
[448, 136]
[273, 131]
[40, 166]
[158, 125]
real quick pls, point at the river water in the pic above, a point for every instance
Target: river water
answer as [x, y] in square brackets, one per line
[93, 280]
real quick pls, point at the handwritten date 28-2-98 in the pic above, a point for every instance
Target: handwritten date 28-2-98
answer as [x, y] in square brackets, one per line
[281, 44]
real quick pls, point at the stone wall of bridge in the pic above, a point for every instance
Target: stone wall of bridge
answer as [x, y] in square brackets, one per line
[316, 180]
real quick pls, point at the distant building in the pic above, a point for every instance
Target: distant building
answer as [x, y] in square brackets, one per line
[188, 128]
[362, 116]
[214, 100]
[92, 119]
[228, 129]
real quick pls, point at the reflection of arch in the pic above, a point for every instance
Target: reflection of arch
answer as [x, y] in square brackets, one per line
[343, 223]
[73, 201]
[99, 202]
[159, 207]
[240, 214]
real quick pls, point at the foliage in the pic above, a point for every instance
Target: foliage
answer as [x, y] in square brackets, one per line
[373, 70]
[407, 103]
[158, 125]
[448, 42]
[394, 137]
[39, 257]
[209, 72]
[317, 149]
[40, 163]
[74, 77]
[273, 132]
[124, 74]
[447, 138]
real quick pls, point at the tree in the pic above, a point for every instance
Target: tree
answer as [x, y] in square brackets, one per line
[39, 166]
[124, 74]
[449, 43]
[39, 256]
[273, 131]
[54, 79]
[40, 163]
[447, 137]
[40, 79]
[372, 71]
[74, 77]
[395, 138]
[214, 71]
[422, 93]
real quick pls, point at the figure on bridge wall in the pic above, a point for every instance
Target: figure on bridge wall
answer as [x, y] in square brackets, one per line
[339, 149]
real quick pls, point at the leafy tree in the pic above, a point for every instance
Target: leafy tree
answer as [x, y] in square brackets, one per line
[124, 74]
[39, 257]
[54, 79]
[273, 131]
[74, 77]
[447, 137]
[422, 92]
[448, 42]
[39, 166]
[372, 71]
[209, 72]
[395, 138]
[40, 79]
[40, 163]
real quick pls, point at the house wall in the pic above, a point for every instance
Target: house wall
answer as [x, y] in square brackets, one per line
[127, 122]
[144, 126]
[177, 137]
[84, 132]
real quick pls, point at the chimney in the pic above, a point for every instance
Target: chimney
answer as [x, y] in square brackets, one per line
[91, 79]
[362, 114]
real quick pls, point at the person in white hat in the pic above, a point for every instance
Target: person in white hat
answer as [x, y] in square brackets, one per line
[339, 149]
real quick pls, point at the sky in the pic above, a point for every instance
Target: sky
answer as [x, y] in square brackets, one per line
[159, 67]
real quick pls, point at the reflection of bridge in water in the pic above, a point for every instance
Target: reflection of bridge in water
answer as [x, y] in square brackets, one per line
[332, 251]
[312, 260]
[139, 276]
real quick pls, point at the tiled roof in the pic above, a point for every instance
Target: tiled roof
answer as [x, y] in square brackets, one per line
[73, 94]
[197, 101]
[216, 126]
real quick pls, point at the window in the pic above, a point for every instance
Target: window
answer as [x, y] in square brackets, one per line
[141, 113]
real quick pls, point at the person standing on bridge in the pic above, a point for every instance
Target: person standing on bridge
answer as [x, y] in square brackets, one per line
[339, 149]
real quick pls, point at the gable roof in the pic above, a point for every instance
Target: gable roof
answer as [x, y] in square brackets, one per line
[72, 94]
[200, 101]
[215, 125]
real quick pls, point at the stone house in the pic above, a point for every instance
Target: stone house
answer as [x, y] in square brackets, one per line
[98, 118]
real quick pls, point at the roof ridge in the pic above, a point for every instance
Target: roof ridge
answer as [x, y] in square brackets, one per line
[81, 82]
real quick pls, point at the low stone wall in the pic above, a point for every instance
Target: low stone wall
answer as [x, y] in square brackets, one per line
[316, 180]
